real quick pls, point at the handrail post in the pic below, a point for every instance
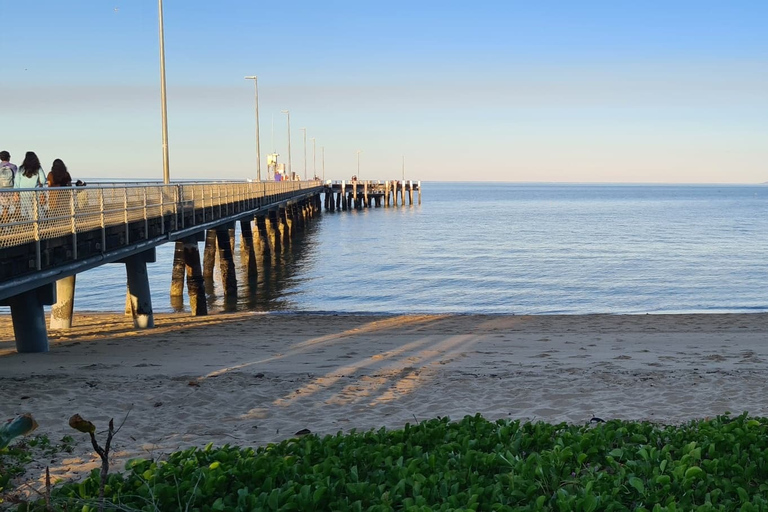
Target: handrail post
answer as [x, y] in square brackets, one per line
[103, 225]
[36, 229]
[146, 221]
[125, 215]
[73, 224]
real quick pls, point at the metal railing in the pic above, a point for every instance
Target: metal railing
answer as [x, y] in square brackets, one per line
[33, 215]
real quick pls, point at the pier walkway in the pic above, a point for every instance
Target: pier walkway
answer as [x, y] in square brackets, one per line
[50, 234]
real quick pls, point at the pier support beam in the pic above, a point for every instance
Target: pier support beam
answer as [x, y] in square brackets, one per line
[247, 253]
[264, 244]
[226, 260]
[275, 232]
[419, 185]
[28, 317]
[410, 193]
[287, 226]
[138, 288]
[177, 273]
[209, 254]
[63, 309]
[195, 281]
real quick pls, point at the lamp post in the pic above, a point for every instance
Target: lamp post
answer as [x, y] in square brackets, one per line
[290, 169]
[164, 108]
[314, 160]
[305, 152]
[322, 152]
[358, 163]
[258, 149]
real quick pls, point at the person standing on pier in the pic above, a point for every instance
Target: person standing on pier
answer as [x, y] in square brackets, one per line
[29, 175]
[7, 176]
[58, 177]
[7, 170]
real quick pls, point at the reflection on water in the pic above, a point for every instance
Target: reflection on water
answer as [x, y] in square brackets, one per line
[264, 275]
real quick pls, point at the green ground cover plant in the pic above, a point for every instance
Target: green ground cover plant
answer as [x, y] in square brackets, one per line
[472, 464]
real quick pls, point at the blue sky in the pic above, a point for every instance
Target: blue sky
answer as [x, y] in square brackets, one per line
[557, 91]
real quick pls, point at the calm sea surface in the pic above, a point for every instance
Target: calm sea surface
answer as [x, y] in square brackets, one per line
[508, 248]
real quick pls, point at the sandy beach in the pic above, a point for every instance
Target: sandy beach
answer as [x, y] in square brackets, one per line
[252, 379]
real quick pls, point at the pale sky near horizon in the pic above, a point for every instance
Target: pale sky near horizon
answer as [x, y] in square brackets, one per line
[560, 91]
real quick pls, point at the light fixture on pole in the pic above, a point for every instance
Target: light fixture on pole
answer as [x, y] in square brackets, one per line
[358, 162]
[164, 107]
[290, 169]
[305, 152]
[314, 160]
[258, 149]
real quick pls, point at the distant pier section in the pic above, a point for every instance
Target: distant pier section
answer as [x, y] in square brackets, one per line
[356, 194]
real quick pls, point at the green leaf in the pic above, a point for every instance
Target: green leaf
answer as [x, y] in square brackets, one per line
[637, 484]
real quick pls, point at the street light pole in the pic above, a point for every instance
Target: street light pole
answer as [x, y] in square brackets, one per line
[258, 149]
[305, 152]
[290, 169]
[314, 160]
[358, 163]
[166, 171]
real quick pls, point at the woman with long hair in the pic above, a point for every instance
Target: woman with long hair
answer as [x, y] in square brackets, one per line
[30, 175]
[59, 177]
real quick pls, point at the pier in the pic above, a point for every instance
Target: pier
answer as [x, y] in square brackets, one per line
[49, 235]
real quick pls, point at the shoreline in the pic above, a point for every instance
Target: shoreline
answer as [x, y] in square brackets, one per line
[252, 378]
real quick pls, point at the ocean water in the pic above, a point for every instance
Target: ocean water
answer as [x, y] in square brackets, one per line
[507, 248]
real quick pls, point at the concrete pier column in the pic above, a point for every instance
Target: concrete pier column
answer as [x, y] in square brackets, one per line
[418, 184]
[62, 310]
[276, 231]
[209, 254]
[396, 190]
[365, 195]
[138, 288]
[332, 203]
[195, 282]
[386, 194]
[354, 194]
[247, 253]
[28, 317]
[177, 273]
[402, 192]
[226, 261]
[343, 195]
[264, 245]
[328, 199]
[410, 192]
[287, 226]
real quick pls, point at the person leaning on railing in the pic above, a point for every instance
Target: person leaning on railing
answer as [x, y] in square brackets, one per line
[29, 175]
[58, 177]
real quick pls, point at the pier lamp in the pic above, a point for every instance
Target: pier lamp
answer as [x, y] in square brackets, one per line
[163, 102]
[258, 149]
[358, 163]
[305, 152]
[290, 168]
[314, 160]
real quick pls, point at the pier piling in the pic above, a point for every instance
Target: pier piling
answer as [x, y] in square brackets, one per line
[226, 260]
[63, 309]
[195, 281]
[138, 288]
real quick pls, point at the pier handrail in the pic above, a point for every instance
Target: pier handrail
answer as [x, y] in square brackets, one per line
[33, 215]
